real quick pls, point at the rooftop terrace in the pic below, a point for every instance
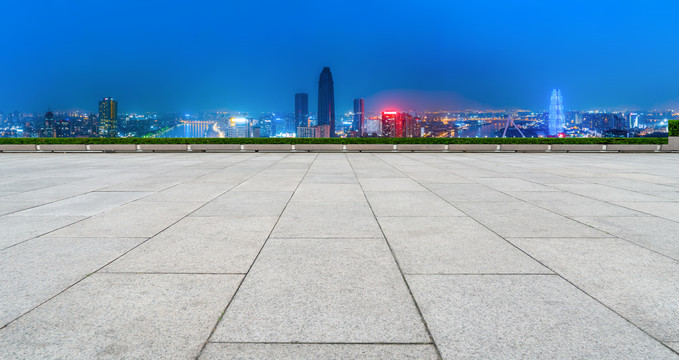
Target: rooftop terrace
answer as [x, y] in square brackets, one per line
[339, 255]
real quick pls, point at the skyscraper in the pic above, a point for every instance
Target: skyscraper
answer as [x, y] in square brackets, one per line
[108, 117]
[326, 100]
[359, 116]
[557, 118]
[301, 110]
[49, 127]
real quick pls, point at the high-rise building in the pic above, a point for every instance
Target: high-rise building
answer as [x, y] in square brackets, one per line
[49, 126]
[238, 128]
[326, 101]
[108, 117]
[301, 110]
[392, 124]
[557, 118]
[359, 116]
[410, 126]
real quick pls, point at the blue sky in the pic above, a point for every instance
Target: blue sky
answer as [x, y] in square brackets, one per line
[254, 55]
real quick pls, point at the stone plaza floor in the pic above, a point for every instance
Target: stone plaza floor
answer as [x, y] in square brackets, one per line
[339, 255]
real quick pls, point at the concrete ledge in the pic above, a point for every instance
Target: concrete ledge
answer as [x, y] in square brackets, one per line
[113, 147]
[267, 147]
[18, 147]
[673, 143]
[421, 147]
[318, 147]
[633, 148]
[473, 147]
[63, 147]
[524, 147]
[577, 147]
[215, 147]
[370, 147]
[162, 147]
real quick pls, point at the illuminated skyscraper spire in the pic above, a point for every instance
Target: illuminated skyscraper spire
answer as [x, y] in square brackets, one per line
[557, 118]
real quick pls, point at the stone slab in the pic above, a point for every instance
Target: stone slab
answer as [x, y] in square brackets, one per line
[391, 184]
[63, 147]
[113, 147]
[370, 147]
[267, 147]
[421, 147]
[577, 147]
[323, 290]
[217, 351]
[123, 316]
[162, 147]
[639, 284]
[88, 204]
[525, 317]
[200, 245]
[453, 245]
[17, 147]
[215, 147]
[318, 147]
[633, 147]
[409, 203]
[524, 147]
[16, 229]
[473, 147]
[346, 219]
[246, 203]
[36, 270]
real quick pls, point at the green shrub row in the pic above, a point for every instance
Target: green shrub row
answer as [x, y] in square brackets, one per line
[378, 140]
[673, 127]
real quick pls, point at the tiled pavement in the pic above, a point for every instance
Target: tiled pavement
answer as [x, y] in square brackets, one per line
[332, 255]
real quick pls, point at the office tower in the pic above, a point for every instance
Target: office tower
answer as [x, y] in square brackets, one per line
[393, 124]
[49, 127]
[301, 110]
[238, 128]
[306, 131]
[62, 128]
[326, 101]
[108, 117]
[359, 116]
[556, 113]
[410, 126]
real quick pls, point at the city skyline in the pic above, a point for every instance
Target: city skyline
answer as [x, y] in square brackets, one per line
[236, 57]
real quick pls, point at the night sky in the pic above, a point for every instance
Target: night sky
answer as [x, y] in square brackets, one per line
[255, 55]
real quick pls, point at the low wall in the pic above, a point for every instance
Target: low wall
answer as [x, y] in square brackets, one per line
[671, 146]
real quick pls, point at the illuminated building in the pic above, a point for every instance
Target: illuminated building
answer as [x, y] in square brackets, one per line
[326, 101]
[62, 128]
[301, 110]
[49, 129]
[306, 131]
[392, 124]
[238, 128]
[359, 116]
[108, 117]
[324, 131]
[556, 114]
[410, 126]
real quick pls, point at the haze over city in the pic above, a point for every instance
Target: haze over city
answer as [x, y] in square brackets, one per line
[254, 56]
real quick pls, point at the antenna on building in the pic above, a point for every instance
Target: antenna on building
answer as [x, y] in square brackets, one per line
[510, 120]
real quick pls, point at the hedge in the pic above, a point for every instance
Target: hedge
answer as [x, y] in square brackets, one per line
[674, 127]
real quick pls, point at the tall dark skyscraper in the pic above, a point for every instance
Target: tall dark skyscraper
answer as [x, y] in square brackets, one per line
[359, 116]
[49, 127]
[326, 100]
[108, 117]
[301, 110]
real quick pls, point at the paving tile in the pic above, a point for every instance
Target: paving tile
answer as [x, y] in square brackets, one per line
[10, 207]
[323, 290]
[215, 351]
[387, 184]
[86, 204]
[639, 284]
[153, 183]
[453, 245]
[329, 192]
[246, 203]
[569, 204]
[200, 245]
[668, 209]
[36, 270]
[606, 193]
[519, 219]
[455, 193]
[191, 191]
[525, 317]
[654, 233]
[513, 184]
[15, 229]
[130, 316]
[320, 219]
[137, 219]
[409, 203]
[329, 178]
